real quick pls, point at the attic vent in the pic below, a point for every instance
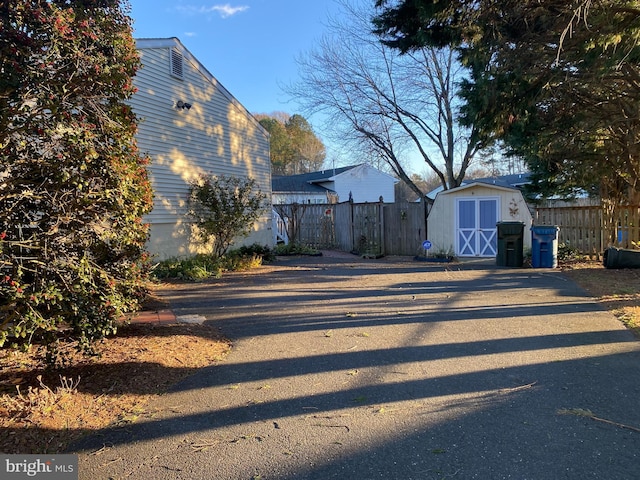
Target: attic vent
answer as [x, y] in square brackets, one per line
[176, 64]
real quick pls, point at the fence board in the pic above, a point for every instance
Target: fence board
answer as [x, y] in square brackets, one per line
[371, 229]
[368, 232]
[317, 227]
[404, 228]
[634, 233]
[343, 219]
[590, 230]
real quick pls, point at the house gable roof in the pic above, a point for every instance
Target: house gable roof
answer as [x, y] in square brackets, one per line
[175, 43]
[516, 181]
[475, 184]
[296, 183]
[312, 181]
[328, 174]
[306, 182]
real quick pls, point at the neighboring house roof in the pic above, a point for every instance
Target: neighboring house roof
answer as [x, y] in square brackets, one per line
[307, 182]
[295, 183]
[517, 180]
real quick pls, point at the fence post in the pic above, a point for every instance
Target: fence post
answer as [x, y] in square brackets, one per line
[381, 225]
[353, 227]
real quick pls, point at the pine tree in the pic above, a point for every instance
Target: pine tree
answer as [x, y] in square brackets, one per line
[556, 82]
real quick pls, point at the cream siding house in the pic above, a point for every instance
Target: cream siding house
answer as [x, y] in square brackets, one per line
[191, 125]
[463, 220]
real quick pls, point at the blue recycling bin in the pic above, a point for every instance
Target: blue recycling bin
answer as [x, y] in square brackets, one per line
[544, 246]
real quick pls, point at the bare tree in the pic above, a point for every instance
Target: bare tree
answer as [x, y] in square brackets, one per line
[394, 105]
[426, 183]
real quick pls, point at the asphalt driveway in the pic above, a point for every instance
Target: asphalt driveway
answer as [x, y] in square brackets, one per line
[363, 369]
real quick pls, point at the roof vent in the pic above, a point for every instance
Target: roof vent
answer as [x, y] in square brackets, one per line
[176, 64]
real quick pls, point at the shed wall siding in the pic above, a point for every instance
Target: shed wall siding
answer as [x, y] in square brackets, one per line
[441, 223]
[216, 136]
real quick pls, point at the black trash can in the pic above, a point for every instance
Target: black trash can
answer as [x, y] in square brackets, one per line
[621, 258]
[510, 239]
[544, 246]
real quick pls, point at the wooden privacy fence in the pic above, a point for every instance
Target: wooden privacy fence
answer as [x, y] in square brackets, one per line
[369, 229]
[592, 229]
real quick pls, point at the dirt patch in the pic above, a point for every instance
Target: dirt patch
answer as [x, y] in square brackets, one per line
[618, 290]
[43, 410]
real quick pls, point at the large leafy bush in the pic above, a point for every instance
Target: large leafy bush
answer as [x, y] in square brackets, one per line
[73, 186]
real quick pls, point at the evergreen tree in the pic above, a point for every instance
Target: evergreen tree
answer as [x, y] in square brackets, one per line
[295, 148]
[73, 186]
[557, 82]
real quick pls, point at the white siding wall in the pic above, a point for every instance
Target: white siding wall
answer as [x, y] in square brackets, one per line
[366, 184]
[441, 223]
[216, 136]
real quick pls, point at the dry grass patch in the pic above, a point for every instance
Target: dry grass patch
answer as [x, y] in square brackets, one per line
[618, 290]
[43, 410]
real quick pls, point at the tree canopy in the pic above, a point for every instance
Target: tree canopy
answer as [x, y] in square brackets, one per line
[73, 185]
[557, 82]
[295, 148]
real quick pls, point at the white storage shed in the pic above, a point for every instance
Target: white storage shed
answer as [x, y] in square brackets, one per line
[463, 220]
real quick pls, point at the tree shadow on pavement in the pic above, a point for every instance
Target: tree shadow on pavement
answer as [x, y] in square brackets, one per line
[403, 373]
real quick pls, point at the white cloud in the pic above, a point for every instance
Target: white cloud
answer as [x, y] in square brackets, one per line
[224, 10]
[227, 10]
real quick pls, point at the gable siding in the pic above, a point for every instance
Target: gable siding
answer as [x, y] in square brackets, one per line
[216, 136]
[365, 184]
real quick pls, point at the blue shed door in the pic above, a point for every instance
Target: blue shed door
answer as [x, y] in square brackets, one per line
[476, 233]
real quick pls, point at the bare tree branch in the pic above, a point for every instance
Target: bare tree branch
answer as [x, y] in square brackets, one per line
[392, 105]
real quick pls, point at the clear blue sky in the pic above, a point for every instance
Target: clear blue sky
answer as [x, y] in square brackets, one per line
[248, 45]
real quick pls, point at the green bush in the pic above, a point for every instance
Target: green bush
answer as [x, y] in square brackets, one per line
[239, 263]
[264, 252]
[567, 253]
[201, 267]
[198, 267]
[74, 187]
[224, 208]
[295, 249]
